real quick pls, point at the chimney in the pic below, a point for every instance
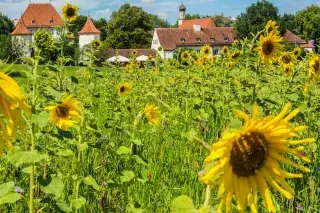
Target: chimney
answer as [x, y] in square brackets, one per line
[197, 27]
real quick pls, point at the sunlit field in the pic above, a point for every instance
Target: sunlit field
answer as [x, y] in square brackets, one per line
[137, 138]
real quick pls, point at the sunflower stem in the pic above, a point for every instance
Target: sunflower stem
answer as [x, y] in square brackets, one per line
[33, 129]
[207, 200]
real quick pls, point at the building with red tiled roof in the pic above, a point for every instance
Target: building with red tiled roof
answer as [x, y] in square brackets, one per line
[296, 41]
[21, 29]
[192, 34]
[203, 22]
[37, 16]
[88, 33]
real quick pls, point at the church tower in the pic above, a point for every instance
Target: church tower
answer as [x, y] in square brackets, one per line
[182, 13]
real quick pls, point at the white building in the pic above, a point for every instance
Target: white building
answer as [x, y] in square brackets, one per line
[88, 33]
[192, 34]
[37, 16]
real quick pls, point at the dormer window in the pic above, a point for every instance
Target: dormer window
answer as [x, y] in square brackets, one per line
[33, 21]
[225, 37]
[51, 21]
[198, 39]
[212, 39]
[182, 39]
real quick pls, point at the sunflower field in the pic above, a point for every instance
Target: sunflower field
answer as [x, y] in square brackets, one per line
[198, 133]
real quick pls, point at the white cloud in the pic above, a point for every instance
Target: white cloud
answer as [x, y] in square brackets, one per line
[147, 1]
[102, 14]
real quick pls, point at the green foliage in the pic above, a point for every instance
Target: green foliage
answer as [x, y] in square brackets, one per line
[6, 25]
[44, 41]
[129, 27]
[255, 18]
[223, 21]
[288, 21]
[308, 21]
[6, 47]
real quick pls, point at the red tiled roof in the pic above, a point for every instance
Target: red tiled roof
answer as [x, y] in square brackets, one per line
[204, 23]
[127, 52]
[41, 15]
[171, 38]
[291, 38]
[21, 29]
[89, 28]
[307, 45]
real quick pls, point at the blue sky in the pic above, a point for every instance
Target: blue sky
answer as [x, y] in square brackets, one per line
[166, 9]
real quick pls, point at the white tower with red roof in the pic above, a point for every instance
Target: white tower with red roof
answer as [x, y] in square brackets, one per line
[88, 33]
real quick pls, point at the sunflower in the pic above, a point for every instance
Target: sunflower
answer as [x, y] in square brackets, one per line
[286, 59]
[12, 103]
[66, 114]
[124, 89]
[134, 52]
[70, 12]
[272, 27]
[231, 64]
[213, 59]
[225, 51]
[96, 44]
[314, 67]
[202, 61]
[152, 114]
[185, 55]
[206, 50]
[235, 54]
[297, 52]
[150, 57]
[287, 69]
[129, 68]
[269, 48]
[139, 63]
[246, 160]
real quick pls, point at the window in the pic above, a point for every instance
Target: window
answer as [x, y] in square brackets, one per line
[198, 51]
[51, 21]
[182, 39]
[215, 51]
[155, 41]
[212, 39]
[33, 21]
[226, 39]
[198, 39]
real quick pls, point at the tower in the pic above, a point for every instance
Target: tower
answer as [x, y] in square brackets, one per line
[182, 13]
[88, 33]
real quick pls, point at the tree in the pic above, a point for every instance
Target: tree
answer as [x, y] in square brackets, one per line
[101, 25]
[308, 21]
[44, 42]
[255, 18]
[288, 21]
[6, 25]
[223, 21]
[6, 48]
[129, 27]
[19, 48]
[157, 22]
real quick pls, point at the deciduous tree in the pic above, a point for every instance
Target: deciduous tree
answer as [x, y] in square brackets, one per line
[255, 18]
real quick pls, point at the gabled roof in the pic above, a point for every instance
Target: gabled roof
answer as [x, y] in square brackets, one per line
[204, 23]
[89, 28]
[41, 15]
[307, 45]
[291, 38]
[21, 29]
[172, 38]
[127, 52]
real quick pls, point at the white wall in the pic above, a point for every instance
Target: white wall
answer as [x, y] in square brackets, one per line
[156, 44]
[168, 54]
[55, 32]
[87, 39]
[26, 40]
